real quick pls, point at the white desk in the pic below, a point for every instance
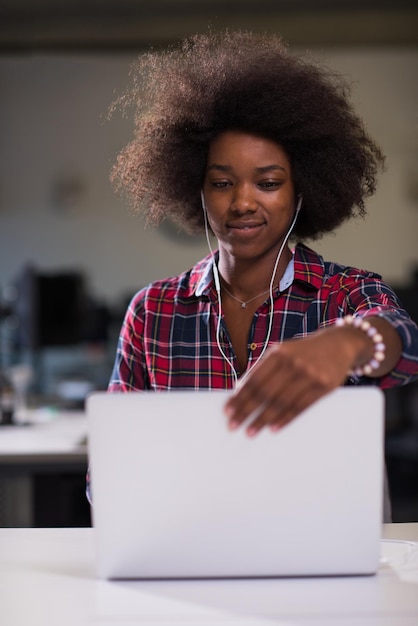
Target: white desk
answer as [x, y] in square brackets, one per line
[48, 437]
[50, 443]
[47, 579]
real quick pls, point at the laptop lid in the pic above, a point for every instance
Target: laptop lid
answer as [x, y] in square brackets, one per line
[175, 494]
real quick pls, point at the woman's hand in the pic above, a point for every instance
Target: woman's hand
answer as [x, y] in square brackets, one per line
[293, 375]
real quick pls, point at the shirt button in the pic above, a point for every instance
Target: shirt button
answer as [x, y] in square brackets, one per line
[253, 346]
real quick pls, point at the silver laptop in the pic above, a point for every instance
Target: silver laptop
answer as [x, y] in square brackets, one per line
[177, 495]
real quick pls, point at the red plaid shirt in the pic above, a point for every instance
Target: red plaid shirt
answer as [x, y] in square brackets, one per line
[168, 337]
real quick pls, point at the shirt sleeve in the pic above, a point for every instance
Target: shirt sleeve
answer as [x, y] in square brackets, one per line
[129, 371]
[372, 297]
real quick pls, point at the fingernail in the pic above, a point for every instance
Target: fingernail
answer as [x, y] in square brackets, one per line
[229, 411]
[251, 432]
[233, 425]
[275, 427]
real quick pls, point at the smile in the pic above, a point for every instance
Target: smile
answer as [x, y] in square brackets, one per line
[245, 225]
[245, 230]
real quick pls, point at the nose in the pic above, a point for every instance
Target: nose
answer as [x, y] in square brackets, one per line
[243, 199]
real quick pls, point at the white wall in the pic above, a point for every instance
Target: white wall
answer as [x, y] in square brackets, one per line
[52, 128]
[385, 90]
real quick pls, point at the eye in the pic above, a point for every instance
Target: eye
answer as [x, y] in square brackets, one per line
[220, 184]
[270, 184]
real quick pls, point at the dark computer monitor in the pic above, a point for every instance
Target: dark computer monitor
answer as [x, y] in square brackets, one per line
[51, 309]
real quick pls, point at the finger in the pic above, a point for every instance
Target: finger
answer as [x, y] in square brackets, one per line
[303, 385]
[296, 409]
[301, 388]
[283, 409]
[266, 386]
[296, 398]
[256, 392]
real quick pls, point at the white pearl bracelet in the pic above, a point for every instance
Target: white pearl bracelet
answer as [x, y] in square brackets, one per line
[378, 345]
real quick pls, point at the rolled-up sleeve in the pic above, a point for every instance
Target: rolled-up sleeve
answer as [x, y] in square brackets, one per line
[373, 297]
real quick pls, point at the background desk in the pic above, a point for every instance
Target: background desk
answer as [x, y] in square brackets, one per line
[47, 578]
[42, 471]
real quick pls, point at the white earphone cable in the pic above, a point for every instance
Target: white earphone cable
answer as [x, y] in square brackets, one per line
[218, 285]
[218, 291]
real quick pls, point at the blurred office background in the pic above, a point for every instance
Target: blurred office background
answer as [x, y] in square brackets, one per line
[72, 253]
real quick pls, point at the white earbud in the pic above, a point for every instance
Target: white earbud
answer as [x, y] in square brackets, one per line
[202, 198]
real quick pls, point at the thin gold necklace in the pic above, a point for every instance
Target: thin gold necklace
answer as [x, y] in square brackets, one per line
[242, 302]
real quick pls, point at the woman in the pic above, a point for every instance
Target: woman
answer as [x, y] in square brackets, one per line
[237, 136]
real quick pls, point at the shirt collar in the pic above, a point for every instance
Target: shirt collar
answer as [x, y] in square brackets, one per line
[202, 276]
[309, 266]
[305, 266]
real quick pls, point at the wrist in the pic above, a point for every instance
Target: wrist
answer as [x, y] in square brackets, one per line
[372, 356]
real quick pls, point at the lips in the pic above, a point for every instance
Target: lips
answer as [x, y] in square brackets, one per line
[245, 225]
[245, 231]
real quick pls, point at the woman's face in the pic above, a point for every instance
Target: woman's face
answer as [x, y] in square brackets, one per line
[249, 194]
